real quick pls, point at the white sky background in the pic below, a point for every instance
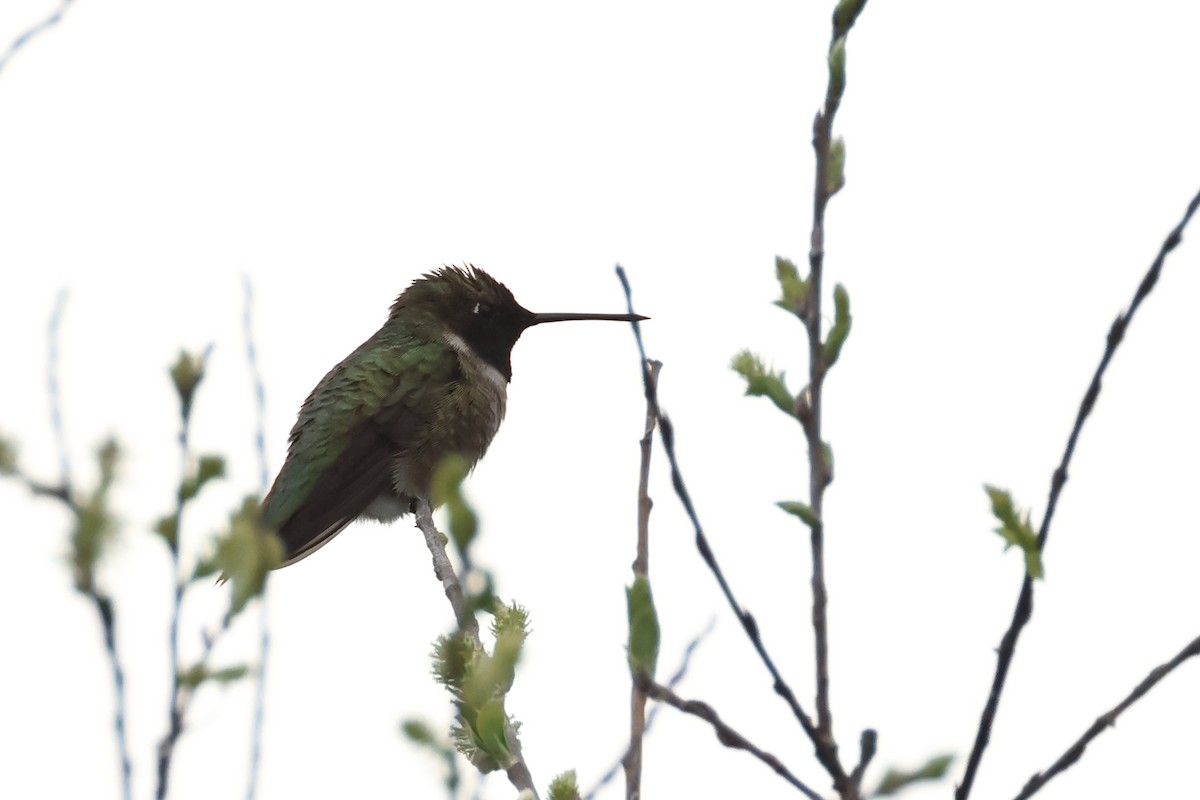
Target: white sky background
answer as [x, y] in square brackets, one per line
[1011, 174]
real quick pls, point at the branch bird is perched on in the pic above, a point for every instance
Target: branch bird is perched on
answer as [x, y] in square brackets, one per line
[432, 381]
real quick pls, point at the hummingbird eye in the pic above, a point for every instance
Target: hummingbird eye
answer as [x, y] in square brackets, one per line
[482, 310]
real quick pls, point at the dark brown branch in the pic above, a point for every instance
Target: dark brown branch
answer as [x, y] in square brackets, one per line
[641, 568]
[826, 755]
[725, 734]
[1024, 608]
[676, 678]
[1108, 720]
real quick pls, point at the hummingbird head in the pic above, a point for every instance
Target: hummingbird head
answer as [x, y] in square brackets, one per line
[480, 311]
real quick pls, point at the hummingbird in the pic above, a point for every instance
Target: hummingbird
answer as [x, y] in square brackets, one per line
[432, 381]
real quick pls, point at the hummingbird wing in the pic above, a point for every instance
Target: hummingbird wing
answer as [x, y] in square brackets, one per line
[372, 407]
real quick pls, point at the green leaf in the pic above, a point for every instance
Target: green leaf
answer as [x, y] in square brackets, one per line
[835, 167]
[1015, 530]
[207, 468]
[933, 769]
[418, 731]
[227, 675]
[564, 787]
[793, 290]
[246, 553]
[447, 490]
[205, 567]
[94, 524]
[763, 382]
[841, 325]
[644, 632]
[8, 457]
[837, 67]
[186, 374]
[845, 14]
[193, 676]
[491, 726]
[166, 527]
[798, 509]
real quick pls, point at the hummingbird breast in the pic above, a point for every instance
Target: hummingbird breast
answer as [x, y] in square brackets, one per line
[464, 422]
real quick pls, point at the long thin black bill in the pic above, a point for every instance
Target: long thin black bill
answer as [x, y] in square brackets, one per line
[538, 319]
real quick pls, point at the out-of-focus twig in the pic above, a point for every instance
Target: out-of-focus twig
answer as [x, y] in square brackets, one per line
[264, 477]
[49, 21]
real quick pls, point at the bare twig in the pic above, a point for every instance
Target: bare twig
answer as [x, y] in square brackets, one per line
[1108, 720]
[827, 756]
[725, 734]
[264, 477]
[104, 608]
[641, 568]
[443, 570]
[1024, 607]
[55, 392]
[49, 21]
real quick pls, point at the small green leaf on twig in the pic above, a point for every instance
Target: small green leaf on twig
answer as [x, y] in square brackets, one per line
[841, 325]
[798, 509]
[447, 491]
[835, 167]
[186, 374]
[166, 528]
[193, 676]
[837, 67]
[232, 674]
[643, 627]
[246, 553]
[8, 457]
[1016, 531]
[763, 382]
[491, 726]
[793, 289]
[94, 523]
[418, 731]
[207, 468]
[895, 780]
[845, 14]
[564, 787]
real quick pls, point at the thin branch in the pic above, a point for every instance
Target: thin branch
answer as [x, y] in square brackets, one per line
[50, 21]
[825, 754]
[641, 568]
[676, 678]
[1024, 607]
[63, 493]
[180, 694]
[1108, 720]
[827, 181]
[725, 734]
[104, 607]
[443, 570]
[264, 477]
[55, 392]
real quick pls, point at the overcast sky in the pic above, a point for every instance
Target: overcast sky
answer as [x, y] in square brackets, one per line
[1012, 170]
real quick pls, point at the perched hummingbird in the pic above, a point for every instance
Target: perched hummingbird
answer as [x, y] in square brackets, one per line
[430, 382]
